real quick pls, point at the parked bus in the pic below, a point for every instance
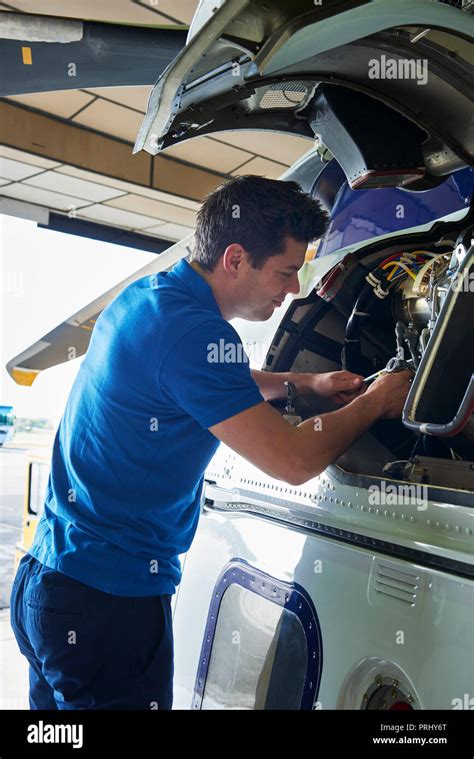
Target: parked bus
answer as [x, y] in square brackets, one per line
[7, 424]
[37, 474]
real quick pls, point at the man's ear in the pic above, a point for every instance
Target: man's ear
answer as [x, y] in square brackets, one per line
[233, 258]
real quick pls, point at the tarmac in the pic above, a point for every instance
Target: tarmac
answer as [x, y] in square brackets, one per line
[13, 462]
[13, 666]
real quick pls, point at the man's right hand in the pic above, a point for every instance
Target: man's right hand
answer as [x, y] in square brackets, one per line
[392, 390]
[296, 454]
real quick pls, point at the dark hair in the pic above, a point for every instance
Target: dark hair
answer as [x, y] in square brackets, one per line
[258, 214]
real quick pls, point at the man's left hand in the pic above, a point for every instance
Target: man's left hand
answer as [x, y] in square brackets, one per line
[340, 387]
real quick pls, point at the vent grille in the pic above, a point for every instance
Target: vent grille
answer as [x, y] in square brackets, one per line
[400, 584]
[284, 95]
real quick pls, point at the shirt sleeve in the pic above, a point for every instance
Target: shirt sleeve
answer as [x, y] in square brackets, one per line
[207, 374]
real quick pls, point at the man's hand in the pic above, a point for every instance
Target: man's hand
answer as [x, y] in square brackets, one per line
[340, 387]
[392, 390]
[296, 454]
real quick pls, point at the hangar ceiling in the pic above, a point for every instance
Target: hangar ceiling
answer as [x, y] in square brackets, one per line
[70, 151]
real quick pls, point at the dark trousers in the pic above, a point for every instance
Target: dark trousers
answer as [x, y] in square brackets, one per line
[88, 649]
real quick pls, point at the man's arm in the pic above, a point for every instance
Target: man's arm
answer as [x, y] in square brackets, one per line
[296, 454]
[271, 384]
[339, 386]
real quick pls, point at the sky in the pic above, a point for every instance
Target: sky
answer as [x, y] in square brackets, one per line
[45, 277]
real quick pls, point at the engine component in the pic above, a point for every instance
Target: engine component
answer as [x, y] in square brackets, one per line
[427, 470]
[441, 399]
[389, 278]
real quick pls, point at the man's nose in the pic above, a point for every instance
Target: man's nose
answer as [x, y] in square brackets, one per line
[295, 284]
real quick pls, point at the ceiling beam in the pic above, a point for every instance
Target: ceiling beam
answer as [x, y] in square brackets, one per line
[44, 53]
[51, 137]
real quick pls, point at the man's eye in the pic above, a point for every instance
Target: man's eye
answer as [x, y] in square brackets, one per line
[286, 274]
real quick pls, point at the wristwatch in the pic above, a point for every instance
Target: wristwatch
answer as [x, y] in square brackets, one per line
[290, 412]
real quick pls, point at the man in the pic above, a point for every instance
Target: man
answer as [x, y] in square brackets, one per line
[90, 604]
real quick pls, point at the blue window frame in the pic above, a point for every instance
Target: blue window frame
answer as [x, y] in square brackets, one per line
[262, 646]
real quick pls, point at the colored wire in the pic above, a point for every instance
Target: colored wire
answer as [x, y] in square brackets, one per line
[398, 264]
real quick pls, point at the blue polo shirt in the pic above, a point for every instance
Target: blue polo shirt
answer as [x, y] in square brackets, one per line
[124, 492]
